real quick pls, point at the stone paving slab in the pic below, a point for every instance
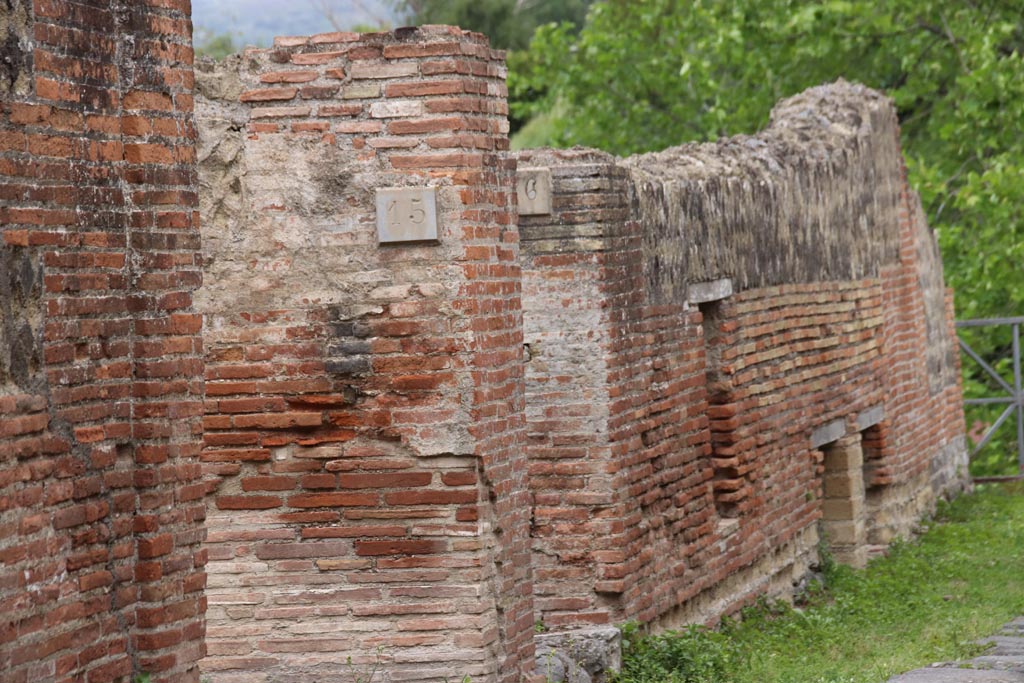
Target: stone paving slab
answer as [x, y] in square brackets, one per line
[1015, 625]
[997, 662]
[959, 676]
[1004, 644]
[1003, 663]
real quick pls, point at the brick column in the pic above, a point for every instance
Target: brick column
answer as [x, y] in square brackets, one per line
[566, 333]
[615, 406]
[365, 442]
[160, 193]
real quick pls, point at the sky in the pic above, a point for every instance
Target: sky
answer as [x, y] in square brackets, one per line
[256, 22]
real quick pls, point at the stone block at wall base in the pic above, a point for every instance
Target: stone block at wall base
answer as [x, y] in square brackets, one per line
[852, 556]
[597, 651]
[555, 666]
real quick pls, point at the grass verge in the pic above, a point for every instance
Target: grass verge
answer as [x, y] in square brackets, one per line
[928, 601]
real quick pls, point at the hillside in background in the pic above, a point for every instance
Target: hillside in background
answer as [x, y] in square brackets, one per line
[256, 22]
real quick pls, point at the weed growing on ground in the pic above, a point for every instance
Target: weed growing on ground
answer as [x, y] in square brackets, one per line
[928, 601]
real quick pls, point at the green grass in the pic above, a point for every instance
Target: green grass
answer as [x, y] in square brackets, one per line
[928, 601]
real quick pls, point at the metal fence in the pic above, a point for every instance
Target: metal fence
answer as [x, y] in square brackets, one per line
[1012, 396]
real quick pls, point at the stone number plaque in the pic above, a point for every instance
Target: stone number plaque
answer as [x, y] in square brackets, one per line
[533, 187]
[406, 214]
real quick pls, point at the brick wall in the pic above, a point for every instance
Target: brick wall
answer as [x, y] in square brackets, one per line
[101, 571]
[411, 451]
[364, 443]
[716, 364]
[924, 406]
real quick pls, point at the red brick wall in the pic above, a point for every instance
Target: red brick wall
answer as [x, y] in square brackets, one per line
[924, 404]
[792, 358]
[101, 571]
[387, 466]
[364, 442]
[674, 444]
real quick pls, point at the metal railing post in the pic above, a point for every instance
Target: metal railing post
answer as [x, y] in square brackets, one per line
[1017, 396]
[1014, 400]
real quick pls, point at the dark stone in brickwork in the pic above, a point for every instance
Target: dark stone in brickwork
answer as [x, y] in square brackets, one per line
[349, 348]
[351, 329]
[15, 48]
[349, 366]
[20, 316]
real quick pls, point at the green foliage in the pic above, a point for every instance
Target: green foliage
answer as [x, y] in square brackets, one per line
[648, 74]
[927, 601]
[215, 46]
[694, 655]
[370, 28]
[498, 19]
[508, 23]
[141, 678]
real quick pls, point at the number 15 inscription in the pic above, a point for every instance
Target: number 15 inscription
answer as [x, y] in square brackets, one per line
[413, 212]
[406, 214]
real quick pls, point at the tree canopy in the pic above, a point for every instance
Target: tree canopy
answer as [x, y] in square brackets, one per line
[508, 23]
[647, 74]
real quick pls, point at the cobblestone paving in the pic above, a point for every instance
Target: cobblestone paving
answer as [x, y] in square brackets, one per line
[1003, 663]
